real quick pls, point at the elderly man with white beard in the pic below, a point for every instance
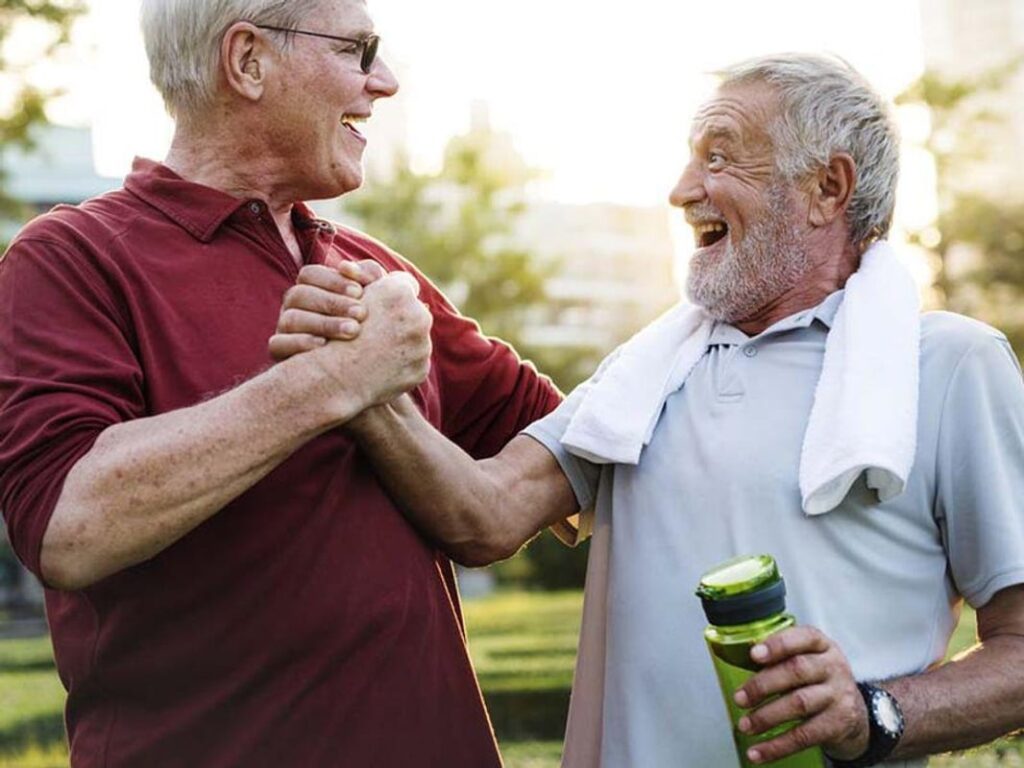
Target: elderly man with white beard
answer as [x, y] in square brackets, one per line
[800, 405]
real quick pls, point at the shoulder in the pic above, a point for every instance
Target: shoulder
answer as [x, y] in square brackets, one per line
[960, 354]
[948, 338]
[78, 229]
[958, 331]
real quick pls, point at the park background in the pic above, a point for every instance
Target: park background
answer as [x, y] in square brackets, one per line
[524, 166]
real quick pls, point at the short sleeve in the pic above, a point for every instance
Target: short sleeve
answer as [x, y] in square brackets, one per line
[583, 475]
[980, 471]
[67, 372]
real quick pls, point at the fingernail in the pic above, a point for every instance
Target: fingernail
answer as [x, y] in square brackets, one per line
[358, 311]
[754, 755]
[349, 327]
[759, 652]
[319, 341]
[744, 724]
[353, 290]
[741, 698]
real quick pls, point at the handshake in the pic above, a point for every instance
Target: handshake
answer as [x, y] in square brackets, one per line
[364, 331]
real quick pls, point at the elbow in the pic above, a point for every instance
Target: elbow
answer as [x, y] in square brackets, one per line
[484, 548]
[68, 559]
[64, 570]
[64, 577]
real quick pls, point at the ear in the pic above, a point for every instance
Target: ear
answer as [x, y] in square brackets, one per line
[831, 189]
[245, 60]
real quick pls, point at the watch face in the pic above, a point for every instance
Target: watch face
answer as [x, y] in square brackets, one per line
[887, 714]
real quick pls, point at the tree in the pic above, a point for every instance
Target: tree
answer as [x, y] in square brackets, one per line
[457, 227]
[986, 230]
[27, 109]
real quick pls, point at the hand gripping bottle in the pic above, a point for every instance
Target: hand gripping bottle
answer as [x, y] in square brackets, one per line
[745, 601]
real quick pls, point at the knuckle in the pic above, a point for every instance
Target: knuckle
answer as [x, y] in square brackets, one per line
[801, 737]
[754, 689]
[801, 702]
[308, 273]
[289, 320]
[799, 667]
[336, 305]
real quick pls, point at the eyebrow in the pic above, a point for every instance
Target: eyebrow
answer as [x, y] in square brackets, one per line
[716, 132]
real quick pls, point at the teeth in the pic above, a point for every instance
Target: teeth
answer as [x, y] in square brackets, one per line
[709, 227]
[353, 119]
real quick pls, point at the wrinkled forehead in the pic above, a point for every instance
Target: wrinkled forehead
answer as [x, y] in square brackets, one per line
[740, 114]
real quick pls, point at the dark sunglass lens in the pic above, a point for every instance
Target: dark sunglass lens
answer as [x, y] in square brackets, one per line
[369, 52]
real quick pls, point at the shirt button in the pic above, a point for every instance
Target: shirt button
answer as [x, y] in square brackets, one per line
[750, 351]
[255, 207]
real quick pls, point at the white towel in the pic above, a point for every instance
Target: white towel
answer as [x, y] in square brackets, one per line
[864, 417]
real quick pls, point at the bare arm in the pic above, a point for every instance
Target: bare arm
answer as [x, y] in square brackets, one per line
[148, 482]
[976, 697]
[478, 511]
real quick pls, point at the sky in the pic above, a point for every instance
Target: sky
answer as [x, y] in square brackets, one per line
[597, 95]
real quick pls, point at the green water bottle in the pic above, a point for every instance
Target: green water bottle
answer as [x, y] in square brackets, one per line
[744, 600]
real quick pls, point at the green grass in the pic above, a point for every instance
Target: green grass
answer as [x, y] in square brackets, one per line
[523, 646]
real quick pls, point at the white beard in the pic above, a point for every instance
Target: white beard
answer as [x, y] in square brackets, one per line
[769, 260]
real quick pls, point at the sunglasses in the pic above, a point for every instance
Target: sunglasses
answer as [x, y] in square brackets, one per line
[368, 45]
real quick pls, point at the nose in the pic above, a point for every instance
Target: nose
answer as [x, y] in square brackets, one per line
[381, 81]
[689, 189]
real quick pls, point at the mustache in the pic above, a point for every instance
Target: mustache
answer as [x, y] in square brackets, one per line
[697, 213]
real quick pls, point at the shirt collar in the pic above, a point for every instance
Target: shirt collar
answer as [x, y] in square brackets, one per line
[825, 313]
[198, 209]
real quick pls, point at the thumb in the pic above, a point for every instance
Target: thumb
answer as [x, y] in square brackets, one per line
[404, 279]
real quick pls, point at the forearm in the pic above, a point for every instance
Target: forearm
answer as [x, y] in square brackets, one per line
[478, 511]
[969, 701]
[148, 482]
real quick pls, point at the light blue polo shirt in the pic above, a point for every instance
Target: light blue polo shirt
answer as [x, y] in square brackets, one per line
[719, 479]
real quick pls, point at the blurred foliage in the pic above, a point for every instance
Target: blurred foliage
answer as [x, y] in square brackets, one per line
[546, 563]
[980, 245]
[27, 108]
[457, 227]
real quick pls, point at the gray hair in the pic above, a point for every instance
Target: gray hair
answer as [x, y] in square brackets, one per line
[183, 40]
[828, 107]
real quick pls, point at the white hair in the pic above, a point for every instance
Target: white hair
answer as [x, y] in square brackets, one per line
[183, 39]
[828, 107]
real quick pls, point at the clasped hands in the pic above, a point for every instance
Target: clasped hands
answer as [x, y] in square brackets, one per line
[364, 329]
[804, 676]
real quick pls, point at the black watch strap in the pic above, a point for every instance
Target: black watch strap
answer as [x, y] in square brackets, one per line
[885, 727]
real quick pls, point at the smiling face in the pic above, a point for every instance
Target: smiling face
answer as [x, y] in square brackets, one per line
[314, 106]
[750, 246]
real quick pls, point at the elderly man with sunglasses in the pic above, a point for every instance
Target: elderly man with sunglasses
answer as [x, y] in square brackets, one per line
[228, 584]
[799, 405]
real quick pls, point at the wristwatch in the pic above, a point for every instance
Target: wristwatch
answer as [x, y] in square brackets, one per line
[885, 727]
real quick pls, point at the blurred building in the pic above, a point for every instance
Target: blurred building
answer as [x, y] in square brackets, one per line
[614, 271]
[60, 169]
[963, 39]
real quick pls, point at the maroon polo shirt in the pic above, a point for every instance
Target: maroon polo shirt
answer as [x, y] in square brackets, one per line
[306, 623]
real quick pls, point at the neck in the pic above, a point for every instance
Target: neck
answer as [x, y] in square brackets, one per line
[827, 275]
[207, 154]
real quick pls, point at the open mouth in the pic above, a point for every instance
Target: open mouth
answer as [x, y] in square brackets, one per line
[710, 232]
[349, 122]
